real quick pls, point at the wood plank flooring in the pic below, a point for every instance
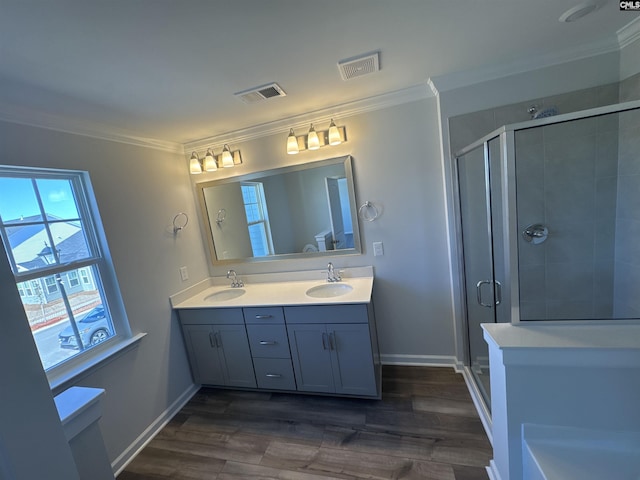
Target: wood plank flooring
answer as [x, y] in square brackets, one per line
[425, 427]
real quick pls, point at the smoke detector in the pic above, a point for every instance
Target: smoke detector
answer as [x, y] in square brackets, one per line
[359, 66]
[258, 94]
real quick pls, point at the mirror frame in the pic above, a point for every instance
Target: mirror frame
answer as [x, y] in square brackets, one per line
[207, 230]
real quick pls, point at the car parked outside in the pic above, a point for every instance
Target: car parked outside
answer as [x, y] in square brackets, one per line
[93, 327]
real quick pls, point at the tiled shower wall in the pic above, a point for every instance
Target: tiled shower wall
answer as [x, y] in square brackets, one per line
[568, 180]
[627, 246]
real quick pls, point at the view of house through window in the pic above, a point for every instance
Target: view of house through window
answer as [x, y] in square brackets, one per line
[50, 241]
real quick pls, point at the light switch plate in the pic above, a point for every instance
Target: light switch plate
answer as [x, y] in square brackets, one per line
[184, 273]
[378, 249]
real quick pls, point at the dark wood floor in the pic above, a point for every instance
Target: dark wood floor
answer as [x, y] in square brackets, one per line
[425, 427]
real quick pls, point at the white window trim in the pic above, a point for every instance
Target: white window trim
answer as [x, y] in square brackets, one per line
[87, 361]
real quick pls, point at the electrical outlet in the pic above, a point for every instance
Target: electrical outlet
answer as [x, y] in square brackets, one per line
[184, 273]
[378, 249]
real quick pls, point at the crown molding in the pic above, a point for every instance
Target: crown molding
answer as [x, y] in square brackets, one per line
[31, 118]
[629, 33]
[378, 102]
[453, 81]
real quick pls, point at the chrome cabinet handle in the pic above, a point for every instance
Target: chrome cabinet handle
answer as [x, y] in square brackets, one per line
[211, 340]
[266, 342]
[218, 340]
[479, 292]
[324, 342]
[262, 317]
[273, 375]
[498, 293]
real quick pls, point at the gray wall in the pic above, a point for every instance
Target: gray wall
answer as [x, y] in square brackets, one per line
[138, 191]
[404, 179]
[627, 218]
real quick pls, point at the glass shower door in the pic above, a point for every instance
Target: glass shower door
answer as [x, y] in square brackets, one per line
[482, 290]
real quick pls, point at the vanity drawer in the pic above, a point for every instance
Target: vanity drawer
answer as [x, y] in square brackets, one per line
[209, 316]
[269, 341]
[274, 373]
[327, 314]
[263, 315]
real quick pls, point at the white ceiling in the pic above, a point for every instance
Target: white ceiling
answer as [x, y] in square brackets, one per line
[168, 69]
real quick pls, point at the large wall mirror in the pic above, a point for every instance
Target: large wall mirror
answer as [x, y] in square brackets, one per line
[292, 212]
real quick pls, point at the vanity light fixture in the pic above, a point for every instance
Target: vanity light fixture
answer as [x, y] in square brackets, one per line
[227, 159]
[334, 134]
[316, 139]
[195, 167]
[313, 142]
[212, 162]
[292, 143]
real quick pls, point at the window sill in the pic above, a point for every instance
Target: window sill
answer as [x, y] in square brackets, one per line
[63, 377]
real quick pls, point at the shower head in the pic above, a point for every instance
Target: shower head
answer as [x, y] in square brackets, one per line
[547, 112]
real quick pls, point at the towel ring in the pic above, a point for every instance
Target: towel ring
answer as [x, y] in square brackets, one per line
[222, 214]
[179, 224]
[368, 211]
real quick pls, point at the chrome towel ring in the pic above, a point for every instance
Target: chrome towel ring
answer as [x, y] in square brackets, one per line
[179, 222]
[368, 211]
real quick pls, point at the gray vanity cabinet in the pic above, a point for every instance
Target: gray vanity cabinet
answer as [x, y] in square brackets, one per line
[332, 348]
[218, 347]
[269, 347]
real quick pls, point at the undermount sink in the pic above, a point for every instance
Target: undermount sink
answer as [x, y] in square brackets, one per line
[329, 290]
[224, 295]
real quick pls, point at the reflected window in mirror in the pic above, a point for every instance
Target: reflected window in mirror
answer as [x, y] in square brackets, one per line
[255, 207]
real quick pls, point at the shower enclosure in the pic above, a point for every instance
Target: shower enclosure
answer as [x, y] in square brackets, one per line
[549, 224]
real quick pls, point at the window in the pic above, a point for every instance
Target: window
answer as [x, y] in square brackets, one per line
[84, 275]
[255, 208]
[52, 241]
[51, 285]
[73, 278]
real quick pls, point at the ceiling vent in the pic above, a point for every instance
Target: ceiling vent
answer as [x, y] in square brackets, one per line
[359, 66]
[258, 94]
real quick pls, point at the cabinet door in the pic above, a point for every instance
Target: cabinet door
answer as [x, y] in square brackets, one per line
[203, 354]
[235, 356]
[352, 359]
[311, 357]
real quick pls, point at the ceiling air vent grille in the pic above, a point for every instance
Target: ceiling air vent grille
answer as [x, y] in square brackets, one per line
[359, 66]
[258, 94]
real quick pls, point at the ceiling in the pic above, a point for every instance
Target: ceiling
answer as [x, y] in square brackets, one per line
[168, 70]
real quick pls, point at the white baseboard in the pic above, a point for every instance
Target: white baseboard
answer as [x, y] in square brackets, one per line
[493, 472]
[120, 463]
[419, 360]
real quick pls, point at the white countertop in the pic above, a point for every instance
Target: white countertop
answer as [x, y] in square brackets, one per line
[596, 344]
[595, 334]
[287, 288]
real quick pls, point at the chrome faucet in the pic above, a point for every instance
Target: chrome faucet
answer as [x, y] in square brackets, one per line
[332, 276]
[235, 283]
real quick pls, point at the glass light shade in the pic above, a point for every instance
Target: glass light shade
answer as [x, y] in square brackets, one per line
[210, 164]
[292, 143]
[334, 134]
[227, 158]
[194, 164]
[313, 142]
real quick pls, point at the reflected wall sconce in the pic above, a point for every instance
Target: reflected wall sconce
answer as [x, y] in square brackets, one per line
[211, 162]
[314, 140]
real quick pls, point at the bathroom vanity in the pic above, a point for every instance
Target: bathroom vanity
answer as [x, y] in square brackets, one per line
[291, 332]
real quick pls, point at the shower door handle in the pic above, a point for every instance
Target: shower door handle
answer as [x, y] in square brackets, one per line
[498, 293]
[479, 293]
